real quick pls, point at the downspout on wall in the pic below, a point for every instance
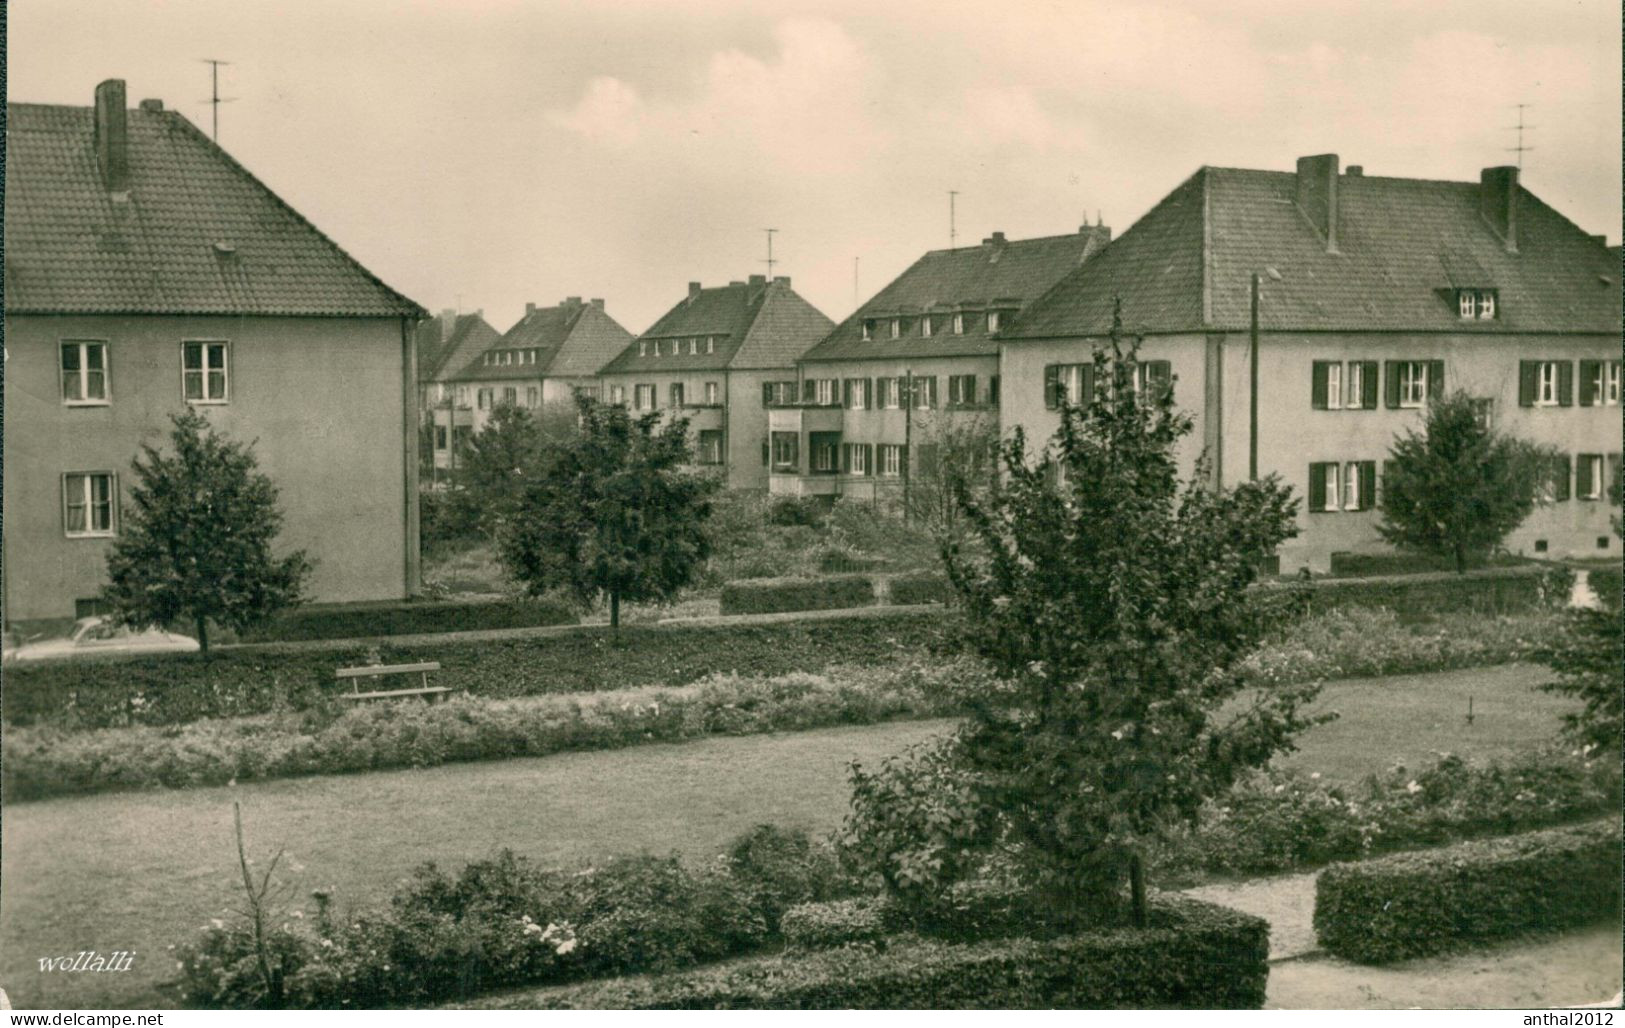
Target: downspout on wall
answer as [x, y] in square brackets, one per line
[412, 563]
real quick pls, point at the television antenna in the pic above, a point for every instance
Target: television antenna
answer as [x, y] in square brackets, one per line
[952, 234]
[770, 261]
[1520, 128]
[215, 99]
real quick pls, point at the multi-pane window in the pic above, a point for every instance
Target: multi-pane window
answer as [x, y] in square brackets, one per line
[1546, 383]
[87, 503]
[1068, 383]
[204, 372]
[993, 320]
[643, 397]
[824, 391]
[778, 394]
[1599, 383]
[785, 455]
[483, 399]
[925, 392]
[824, 449]
[1476, 304]
[925, 326]
[891, 460]
[896, 327]
[710, 344]
[1413, 383]
[858, 458]
[710, 446]
[1555, 487]
[713, 394]
[857, 393]
[868, 329]
[693, 346]
[643, 348]
[1152, 377]
[959, 324]
[890, 393]
[1546, 386]
[84, 372]
[617, 394]
[533, 397]
[961, 390]
[1610, 386]
[1484, 412]
[1350, 485]
[510, 395]
[1334, 385]
[675, 395]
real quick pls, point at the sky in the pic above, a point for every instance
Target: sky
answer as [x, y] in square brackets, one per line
[482, 154]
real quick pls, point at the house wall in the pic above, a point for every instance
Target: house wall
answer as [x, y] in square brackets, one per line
[1212, 382]
[323, 400]
[741, 464]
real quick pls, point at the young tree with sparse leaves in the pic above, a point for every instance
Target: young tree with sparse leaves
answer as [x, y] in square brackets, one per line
[616, 511]
[195, 541]
[1112, 602]
[1457, 487]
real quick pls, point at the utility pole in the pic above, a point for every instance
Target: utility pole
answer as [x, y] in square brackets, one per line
[952, 234]
[1520, 127]
[855, 261]
[770, 261]
[215, 99]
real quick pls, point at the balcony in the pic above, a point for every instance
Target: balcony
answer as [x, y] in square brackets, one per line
[804, 419]
[781, 482]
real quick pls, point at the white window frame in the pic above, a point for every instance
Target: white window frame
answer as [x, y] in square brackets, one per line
[710, 344]
[1548, 382]
[1351, 485]
[896, 327]
[825, 391]
[857, 459]
[1599, 468]
[1334, 386]
[84, 399]
[925, 326]
[87, 501]
[1610, 383]
[993, 320]
[1413, 384]
[860, 394]
[890, 459]
[1070, 378]
[1486, 305]
[891, 394]
[1334, 481]
[643, 348]
[713, 393]
[959, 323]
[868, 329]
[617, 394]
[1466, 304]
[204, 371]
[1354, 392]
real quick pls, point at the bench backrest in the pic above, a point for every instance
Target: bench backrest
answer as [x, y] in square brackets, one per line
[386, 669]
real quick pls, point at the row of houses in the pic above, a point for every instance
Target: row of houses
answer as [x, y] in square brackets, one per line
[1302, 318]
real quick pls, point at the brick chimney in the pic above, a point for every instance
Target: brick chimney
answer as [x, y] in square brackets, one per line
[152, 106]
[597, 301]
[448, 323]
[530, 309]
[693, 291]
[1498, 202]
[112, 135]
[1317, 195]
[758, 280]
[783, 280]
[996, 239]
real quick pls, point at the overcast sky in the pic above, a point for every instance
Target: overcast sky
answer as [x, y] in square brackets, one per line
[489, 152]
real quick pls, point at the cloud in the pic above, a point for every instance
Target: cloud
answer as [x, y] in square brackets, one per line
[610, 112]
[1007, 114]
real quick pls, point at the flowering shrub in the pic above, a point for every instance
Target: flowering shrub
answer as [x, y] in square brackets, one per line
[836, 923]
[1278, 820]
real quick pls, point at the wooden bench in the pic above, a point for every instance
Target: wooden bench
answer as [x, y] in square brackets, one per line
[432, 693]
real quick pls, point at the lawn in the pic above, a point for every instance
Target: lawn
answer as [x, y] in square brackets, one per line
[139, 871]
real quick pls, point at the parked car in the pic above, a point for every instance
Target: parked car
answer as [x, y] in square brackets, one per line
[95, 635]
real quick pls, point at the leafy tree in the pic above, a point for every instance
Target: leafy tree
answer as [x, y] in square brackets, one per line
[195, 544]
[1589, 658]
[1112, 603]
[1457, 487]
[491, 470]
[613, 511]
[956, 454]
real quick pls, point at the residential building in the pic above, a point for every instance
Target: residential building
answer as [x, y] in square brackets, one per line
[148, 272]
[911, 366]
[447, 342]
[711, 359]
[541, 361]
[1373, 295]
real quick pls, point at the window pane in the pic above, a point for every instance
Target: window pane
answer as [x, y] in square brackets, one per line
[95, 385]
[101, 489]
[74, 497]
[217, 385]
[94, 356]
[70, 357]
[194, 355]
[194, 385]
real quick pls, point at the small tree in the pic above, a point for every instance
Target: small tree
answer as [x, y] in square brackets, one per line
[1457, 487]
[957, 453]
[615, 511]
[195, 543]
[491, 472]
[1112, 603]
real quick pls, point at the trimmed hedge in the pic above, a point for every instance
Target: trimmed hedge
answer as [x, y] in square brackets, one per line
[1491, 591]
[1192, 955]
[178, 688]
[363, 620]
[921, 588]
[1417, 904]
[1607, 583]
[834, 923]
[779, 595]
[1394, 563]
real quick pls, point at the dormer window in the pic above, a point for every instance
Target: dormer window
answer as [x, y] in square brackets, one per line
[1476, 304]
[925, 326]
[959, 324]
[993, 320]
[643, 348]
[710, 344]
[896, 327]
[693, 346]
[868, 330]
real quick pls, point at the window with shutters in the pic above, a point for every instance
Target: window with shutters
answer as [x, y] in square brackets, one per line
[1359, 484]
[857, 393]
[993, 391]
[1588, 476]
[824, 452]
[674, 395]
[713, 394]
[891, 460]
[617, 394]
[1067, 383]
[84, 373]
[1484, 413]
[961, 390]
[1555, 488]
[857, 458]
[1547, 384]
[643, 397]
[1599, 383]
[710, 446]
[205, 372]
[786, 452]
[87, 504]
[925, 392]
[1324, 479]
[1355, 396]
[510, 396]
[826, 392]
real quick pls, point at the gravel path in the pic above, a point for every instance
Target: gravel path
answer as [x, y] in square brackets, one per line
[1287, 902]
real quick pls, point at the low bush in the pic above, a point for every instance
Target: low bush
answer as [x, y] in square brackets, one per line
[1418, 904]
[921, 588]
[172, 689]
[1278, 821]
[777, 595]
[38, 762]
[364, 620]
[1191, 955]
[1487, 591]
[1607, 583]
[797, 510]
[835, 923]
[1366, 565]
[780, 869]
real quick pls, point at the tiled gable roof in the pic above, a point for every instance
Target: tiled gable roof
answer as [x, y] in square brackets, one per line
[197, 234]
[440, 353]
[1006, 275]
[753, 324]
[571, 339]
[1403, 247]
